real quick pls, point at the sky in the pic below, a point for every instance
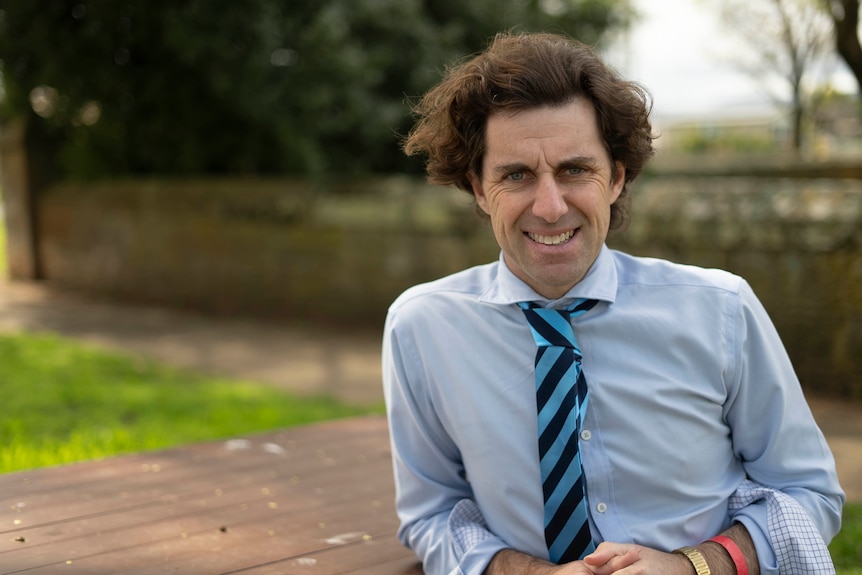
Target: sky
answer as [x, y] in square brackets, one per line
[679, 51]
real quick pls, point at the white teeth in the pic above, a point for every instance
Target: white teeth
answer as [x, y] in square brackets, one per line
[552, 240]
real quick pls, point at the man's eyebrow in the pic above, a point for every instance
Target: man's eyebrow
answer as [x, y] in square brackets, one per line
[573, 162]
[579, 162]
[512, 168]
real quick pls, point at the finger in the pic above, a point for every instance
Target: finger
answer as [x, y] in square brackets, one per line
[616, 562]
[605, 552]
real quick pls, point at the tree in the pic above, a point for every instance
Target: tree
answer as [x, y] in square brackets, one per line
[121, 87]
[845, 18]
[785, 40]
[262, 86]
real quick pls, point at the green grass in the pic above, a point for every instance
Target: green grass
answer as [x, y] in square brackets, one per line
[846, 548]
[65, 402]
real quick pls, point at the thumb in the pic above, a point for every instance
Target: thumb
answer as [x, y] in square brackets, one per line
[621, 555]
[603, 553]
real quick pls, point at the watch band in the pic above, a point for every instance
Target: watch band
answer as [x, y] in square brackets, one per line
[700, 566]
[735, 553]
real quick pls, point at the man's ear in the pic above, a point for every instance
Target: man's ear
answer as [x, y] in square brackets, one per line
[479, 192]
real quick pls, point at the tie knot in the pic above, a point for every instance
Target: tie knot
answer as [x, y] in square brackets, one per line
[575, 308]
[553, 327]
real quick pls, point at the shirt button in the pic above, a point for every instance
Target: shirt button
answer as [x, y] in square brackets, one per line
[602, 507]
[586, 435]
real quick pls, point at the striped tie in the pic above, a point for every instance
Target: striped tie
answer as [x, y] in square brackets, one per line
[561, 397]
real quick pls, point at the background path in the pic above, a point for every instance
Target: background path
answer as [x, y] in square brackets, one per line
[342, 362]
[337, 361]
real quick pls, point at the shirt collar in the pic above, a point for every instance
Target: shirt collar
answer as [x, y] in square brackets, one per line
[600, 283]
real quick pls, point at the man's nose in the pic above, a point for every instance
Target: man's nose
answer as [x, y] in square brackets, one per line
[549, 202]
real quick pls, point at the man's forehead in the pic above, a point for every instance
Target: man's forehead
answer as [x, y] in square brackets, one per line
[562, 131]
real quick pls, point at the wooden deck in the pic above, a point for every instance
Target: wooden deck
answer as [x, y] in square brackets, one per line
[315, 499]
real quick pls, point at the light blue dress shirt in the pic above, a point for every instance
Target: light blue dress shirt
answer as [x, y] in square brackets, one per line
[691, 391]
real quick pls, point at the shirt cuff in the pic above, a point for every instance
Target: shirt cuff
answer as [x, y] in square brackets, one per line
[754, 517]
[475, 545]
[782, 531]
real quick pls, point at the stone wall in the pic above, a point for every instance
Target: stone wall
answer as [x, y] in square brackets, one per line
[278, 248]
[798, 242]
[293, 251]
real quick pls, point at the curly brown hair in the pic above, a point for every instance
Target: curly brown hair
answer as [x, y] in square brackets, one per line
[523, 71]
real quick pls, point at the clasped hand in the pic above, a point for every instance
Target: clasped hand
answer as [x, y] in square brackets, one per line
[626, 559]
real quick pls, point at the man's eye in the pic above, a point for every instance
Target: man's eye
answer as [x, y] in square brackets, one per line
[575, 171]
[517, 176]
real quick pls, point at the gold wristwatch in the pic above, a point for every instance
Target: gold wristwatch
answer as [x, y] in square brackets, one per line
[700, 566]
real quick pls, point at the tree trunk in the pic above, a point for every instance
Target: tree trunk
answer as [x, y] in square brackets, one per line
[847, 38]
[797, 118]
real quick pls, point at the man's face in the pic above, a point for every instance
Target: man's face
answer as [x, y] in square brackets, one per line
[548, 183]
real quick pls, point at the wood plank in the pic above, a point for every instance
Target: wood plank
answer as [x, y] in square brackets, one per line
[272, 510]
[364, 432]
[379, 555]
[175, 466]
[213, 552]
[259, 490]
[260, 448]
[315, 495]
[196, 486]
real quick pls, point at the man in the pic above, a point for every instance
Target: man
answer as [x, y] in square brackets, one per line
[682, 419]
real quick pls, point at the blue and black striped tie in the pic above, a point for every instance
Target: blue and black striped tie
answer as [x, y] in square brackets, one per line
[561, 397]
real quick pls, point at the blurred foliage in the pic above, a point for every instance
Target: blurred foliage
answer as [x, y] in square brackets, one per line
[846, 547]
[699, 142]
[256, 87]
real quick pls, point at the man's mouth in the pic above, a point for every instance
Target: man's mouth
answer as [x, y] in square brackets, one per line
[551, 240]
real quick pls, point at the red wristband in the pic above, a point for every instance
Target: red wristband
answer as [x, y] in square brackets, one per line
[735, 554]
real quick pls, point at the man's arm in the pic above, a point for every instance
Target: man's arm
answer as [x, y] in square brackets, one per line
[613, 557]
[511, 562]
[440, 521]
[716, 554]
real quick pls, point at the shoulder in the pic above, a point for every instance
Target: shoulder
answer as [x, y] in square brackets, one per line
[451, 290]
[660, 273]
